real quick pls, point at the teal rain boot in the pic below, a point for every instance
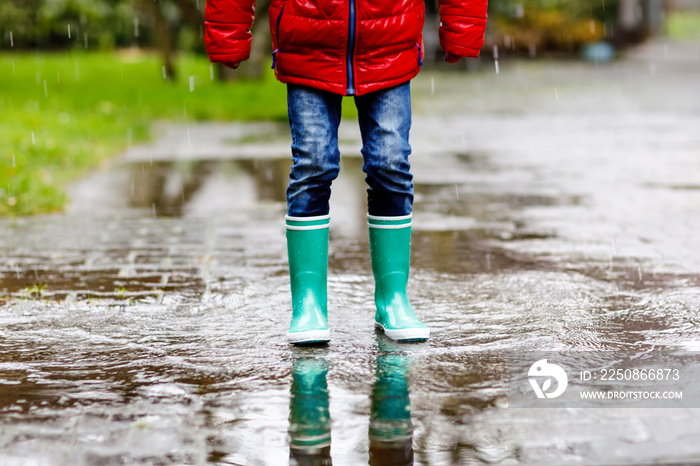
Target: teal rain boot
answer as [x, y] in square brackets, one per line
[390, 248]
[307, 246]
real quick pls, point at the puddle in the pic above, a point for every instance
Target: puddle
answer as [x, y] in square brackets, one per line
[168, 187]
[146, 325]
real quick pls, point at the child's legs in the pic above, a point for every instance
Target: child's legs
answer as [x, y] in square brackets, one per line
[314, 117]
[385, 121]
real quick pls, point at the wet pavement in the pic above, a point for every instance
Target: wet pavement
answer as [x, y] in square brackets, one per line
[556, 209]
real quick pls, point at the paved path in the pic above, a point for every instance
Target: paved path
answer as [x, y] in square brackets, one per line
[556, 209]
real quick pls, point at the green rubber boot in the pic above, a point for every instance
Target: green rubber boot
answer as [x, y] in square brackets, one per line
[390, 248]
[307, 246]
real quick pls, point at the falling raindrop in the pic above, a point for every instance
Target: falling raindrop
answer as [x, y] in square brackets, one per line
[432, 85]
[153, 206]
[498, 71]
[191, 83]
[13, 160]
[495, 52]
[457, 192]
[639, 272]
[165, 75]
[33, 140]
[46, 92]
[136, 27]
[12, 42]
[488, 261]
[211, 71]
[69, 31]
[85, 39]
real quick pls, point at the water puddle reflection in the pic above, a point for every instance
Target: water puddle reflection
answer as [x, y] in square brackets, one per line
[153, 333]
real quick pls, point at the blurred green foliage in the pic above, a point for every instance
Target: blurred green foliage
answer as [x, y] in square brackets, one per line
[550, 24]
[64, 23]
[105, 24]
[90, 24]
[66, 113]
[683, 25]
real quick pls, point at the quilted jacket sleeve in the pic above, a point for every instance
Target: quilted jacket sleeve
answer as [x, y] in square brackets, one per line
[227, 25]
[462, 26]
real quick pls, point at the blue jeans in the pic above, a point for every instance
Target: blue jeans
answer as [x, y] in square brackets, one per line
[385, 121]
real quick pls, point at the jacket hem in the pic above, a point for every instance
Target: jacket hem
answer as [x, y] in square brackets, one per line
[374, 86]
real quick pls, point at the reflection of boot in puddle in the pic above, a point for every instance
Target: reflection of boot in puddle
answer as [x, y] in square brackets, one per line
[309, 418]
[390, 428]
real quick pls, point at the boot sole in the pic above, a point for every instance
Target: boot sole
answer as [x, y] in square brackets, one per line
[405, 334]
[309, 336]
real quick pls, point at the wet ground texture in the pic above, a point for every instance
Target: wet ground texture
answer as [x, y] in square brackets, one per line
[556, 209]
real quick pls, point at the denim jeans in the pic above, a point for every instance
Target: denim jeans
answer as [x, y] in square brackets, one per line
[385, 121]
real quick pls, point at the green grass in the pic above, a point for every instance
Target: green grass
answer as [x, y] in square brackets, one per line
[64, 114]
[683, 25]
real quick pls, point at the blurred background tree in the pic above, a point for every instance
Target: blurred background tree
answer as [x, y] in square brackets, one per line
[61, 24]
[546, 25]
[168, 25]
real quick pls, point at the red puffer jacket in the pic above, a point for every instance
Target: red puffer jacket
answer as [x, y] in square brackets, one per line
[347, 47]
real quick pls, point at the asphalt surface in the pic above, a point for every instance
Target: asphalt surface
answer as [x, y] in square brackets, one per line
[556, 211]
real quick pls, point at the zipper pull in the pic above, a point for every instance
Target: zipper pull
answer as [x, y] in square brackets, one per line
[274, 58]
[420, 55]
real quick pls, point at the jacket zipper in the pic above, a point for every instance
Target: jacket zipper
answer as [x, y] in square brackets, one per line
[351, 49]
[277, 31]
[420, 54]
